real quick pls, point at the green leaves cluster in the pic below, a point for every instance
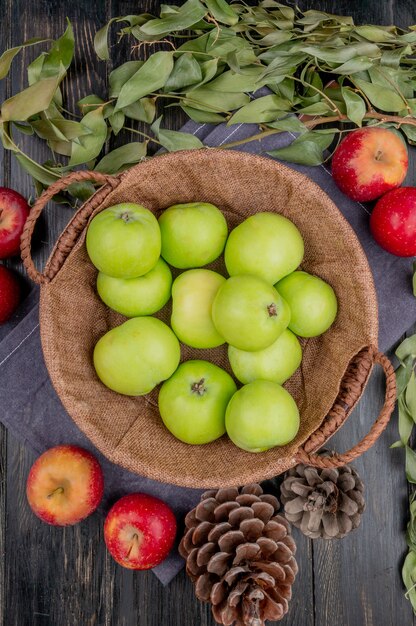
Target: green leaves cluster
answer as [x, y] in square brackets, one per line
[406, 398]
[208, 57]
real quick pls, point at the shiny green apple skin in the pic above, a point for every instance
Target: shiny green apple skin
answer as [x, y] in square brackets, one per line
[193, 234]
[249, 313]
[276, 363]
[267, 245]
[193, 293]
[124, 240]
[312, 302]
[143, 295]
[193, 401]
[135, 357]
[260, 416]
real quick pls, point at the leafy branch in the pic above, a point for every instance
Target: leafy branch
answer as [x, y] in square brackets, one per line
[208, 58]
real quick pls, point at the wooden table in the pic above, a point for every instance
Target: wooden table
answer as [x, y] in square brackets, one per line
[64, 577]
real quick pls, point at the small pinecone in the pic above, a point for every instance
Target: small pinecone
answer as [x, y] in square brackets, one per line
[239, 553]
[325, 503]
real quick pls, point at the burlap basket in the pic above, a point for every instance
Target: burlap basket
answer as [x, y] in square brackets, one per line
[335, 367]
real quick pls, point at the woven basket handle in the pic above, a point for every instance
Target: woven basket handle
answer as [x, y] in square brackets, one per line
[337, 460]
[69, 237]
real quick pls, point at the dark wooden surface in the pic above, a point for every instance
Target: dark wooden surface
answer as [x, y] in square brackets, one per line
[55, 577]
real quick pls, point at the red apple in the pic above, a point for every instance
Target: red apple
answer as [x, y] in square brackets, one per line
[139, 531]
[393, 221]
[65, 485]
[9, 293]
[13, 214]
[369, 162]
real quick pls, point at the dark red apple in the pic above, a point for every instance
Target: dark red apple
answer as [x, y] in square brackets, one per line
[13, 214]
[65, 485]
[393, 221]
[9, 293]
[139, 531]
[369, 162]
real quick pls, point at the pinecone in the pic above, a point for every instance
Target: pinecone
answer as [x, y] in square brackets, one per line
[239, 553]
[325, 503]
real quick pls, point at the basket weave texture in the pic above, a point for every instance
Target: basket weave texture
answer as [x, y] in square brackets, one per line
[335, 366]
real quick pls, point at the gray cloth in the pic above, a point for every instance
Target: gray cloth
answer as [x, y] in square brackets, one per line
[33, 412]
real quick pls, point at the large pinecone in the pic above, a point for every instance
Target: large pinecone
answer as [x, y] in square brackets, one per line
[239, 553]
[325, 503]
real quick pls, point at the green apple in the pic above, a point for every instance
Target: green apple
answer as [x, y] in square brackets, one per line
[193, 234]
[249, 313]
[193, 401]
[124, 240]
[261, 415]
[312, 302]
[193, 293]
[136, 356]
[267, 245]
[276, 363]
[132, 297]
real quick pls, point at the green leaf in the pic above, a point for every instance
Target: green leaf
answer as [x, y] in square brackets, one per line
[188, 14]
[24, 128]
[222, 12]
[91, 144]
[291, 123]
[89, 103]
[117, 121]
[42, 174]
[407, 348]
[411, 526]
[60, 54]
[306, 149]
[208, 69]
[355, 105]
[343, 53]
[142, 111]
[186, 71]
[409, 577]
[405, 422]
[410, 465]
[82, 191]
[410, 396]
[121, 75]
[152, 75]
[209, 100]
[374, 33]
[204, 117]
[403, 374]
[236, 83]
[410, 132]
[414, 278]
[7, 57]
[121, 158]
[357, 64]
[381, 97]
[265, 109]
[101, 41]
[173, 140]
[30, 101]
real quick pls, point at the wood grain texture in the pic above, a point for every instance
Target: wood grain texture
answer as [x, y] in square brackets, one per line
[64, 577]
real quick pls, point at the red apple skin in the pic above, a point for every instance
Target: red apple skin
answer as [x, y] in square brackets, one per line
[139, 531]
[14, 210]
[65, 485]
[9, 293]
[369, 162]
[393, 221]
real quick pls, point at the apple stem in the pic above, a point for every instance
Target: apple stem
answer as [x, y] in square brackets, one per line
[134, 542]
[199, 387]
[125, 216]
[57, 490]
[272, 309]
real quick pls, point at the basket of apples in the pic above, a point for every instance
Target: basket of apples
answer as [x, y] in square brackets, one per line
[208, 318]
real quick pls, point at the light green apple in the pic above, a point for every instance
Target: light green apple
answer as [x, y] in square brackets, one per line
[124, 240]
[193, 293]
[193, 401]
[267, 245]
[143, 295]
[193, 234]
[136, 356]
[261, 415]
[312, 302]
[276, 363]
[249, 313]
